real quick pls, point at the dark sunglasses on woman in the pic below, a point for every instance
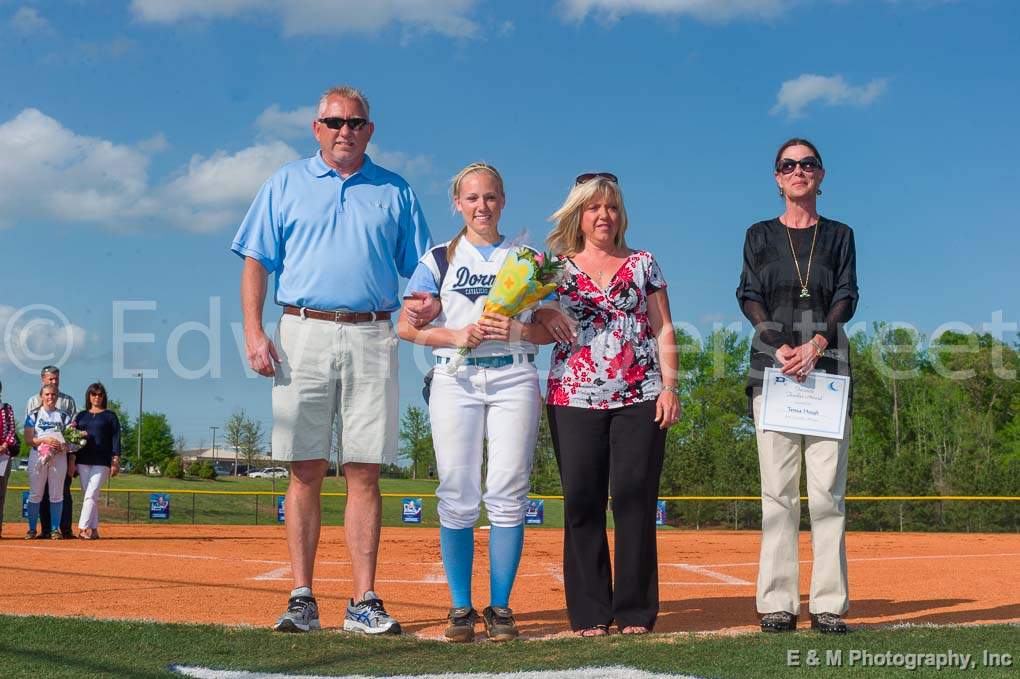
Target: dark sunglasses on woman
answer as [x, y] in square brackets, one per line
[788, 165]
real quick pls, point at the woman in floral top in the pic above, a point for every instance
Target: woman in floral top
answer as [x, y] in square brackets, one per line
[612, 394]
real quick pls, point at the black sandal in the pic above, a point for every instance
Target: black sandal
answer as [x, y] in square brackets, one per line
[593, 631]
[780, 621]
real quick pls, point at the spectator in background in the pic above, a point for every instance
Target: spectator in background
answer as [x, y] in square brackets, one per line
[40, 427]
[50, 375]
[9, 448]
[98, 459]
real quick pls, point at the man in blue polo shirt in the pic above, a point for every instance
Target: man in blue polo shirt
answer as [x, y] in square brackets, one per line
[338, 231]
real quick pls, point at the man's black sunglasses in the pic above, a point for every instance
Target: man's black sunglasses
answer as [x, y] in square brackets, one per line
[788, 165]
[588, 176]
[338, 123]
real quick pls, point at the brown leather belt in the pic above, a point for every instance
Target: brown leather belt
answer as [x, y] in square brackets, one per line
[338, 316]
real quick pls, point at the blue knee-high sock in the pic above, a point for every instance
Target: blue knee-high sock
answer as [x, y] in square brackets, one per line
[458, 548]
[55, 509]
[505, 547]
[33, 515]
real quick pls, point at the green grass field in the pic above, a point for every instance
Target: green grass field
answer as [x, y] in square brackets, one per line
[245, 509]
[77, 648]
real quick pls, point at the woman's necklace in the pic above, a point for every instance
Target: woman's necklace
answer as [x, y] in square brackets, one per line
[804, 294]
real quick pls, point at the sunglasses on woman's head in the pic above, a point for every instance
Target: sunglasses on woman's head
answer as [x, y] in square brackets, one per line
[588, 176]
[788, 165]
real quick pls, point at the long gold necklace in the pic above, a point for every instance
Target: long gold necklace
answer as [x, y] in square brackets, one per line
[803, 280]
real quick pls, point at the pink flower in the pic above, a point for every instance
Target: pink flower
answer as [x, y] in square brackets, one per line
[540, 259]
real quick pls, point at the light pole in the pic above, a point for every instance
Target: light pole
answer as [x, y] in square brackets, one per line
[214, 444]
[138, 434]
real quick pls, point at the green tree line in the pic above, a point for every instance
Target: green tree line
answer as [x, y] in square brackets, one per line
[930, 418]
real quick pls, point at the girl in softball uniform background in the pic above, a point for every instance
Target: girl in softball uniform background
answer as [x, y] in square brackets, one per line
[494, 396]
[47, 418]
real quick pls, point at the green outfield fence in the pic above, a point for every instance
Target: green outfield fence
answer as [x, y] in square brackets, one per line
[953, 513]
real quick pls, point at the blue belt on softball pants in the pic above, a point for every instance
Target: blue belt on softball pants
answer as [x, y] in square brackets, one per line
[492, 361]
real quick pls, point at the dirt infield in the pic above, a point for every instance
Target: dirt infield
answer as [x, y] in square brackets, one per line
[239, 575]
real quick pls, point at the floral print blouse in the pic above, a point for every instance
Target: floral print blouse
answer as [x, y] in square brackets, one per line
[614, 361]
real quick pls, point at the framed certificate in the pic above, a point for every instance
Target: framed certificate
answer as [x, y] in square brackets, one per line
[815, 407]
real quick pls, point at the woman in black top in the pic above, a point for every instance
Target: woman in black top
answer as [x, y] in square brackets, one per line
[98, 459]
[798, 288]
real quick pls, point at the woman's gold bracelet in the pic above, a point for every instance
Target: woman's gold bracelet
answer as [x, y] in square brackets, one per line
[818, 347]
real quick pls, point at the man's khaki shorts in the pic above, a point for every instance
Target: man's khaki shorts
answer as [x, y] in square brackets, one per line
[342, 372]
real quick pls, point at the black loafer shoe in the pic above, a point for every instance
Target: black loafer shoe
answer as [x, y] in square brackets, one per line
[829, 623]
[780, 621]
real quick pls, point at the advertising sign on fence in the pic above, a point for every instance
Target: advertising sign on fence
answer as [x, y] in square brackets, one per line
[660, 512]
[535, 513]
[24, 504]
[279, 508]
[159, 506]
[411, 509]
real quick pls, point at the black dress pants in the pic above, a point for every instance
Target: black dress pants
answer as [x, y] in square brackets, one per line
[65, 511]
[599, 452]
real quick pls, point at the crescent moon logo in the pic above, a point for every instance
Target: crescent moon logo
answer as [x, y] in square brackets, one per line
[832, 386]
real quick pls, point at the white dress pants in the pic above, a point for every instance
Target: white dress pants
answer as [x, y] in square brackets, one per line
[497, 405]
[92, 476]
[54, 472]
[779, 455]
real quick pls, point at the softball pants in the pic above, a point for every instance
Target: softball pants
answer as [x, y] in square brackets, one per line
[601, 450]
[55, 473]
[779, 456]
[501, 407]
[92, 476]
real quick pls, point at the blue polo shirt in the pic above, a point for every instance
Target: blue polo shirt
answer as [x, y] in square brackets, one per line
[335, 243]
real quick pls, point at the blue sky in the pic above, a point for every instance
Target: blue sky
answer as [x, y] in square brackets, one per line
[133, 135]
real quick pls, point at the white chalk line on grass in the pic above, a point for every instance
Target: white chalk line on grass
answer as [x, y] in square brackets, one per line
[615, 672]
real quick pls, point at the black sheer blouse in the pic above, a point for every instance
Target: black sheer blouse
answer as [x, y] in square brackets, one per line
[769, 293]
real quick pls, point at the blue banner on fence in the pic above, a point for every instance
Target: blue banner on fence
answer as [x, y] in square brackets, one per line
[660, 512]
[159, 506]
[24, 504]
[279, 508]
[412, 509]
[534, 515]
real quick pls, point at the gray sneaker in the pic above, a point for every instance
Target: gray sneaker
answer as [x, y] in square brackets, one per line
[302, 616]
[369, 617]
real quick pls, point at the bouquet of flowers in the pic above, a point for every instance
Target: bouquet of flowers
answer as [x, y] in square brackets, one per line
[525, 279]
[74, 438]
[48, 450]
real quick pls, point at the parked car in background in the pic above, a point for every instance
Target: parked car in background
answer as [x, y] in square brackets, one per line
[269, 473]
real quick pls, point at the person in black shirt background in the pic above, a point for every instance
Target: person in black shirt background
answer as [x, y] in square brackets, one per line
[798, 287]
[98, 459]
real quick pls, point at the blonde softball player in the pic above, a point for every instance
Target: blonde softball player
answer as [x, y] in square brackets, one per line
[494, 396]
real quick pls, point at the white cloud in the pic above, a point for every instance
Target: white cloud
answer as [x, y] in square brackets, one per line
[50, 173]
[323, 17]
[213, 192]
[274, 122]
[400, 162]
[705, 10]
[28, 21]
[796, 94]
[36, 335]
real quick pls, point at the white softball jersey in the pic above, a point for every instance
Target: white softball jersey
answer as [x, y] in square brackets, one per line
[465, 286]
